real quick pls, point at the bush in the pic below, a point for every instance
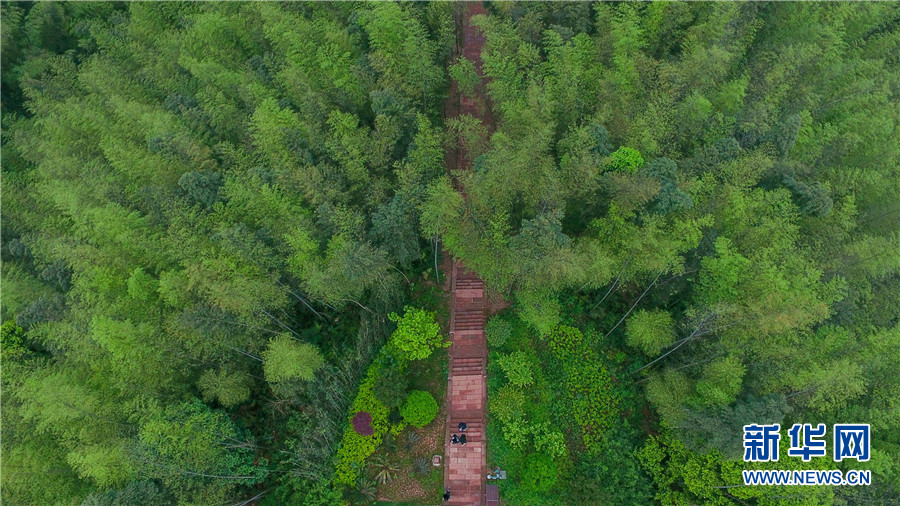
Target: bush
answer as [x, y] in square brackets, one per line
[362, 423]
[498, 331]
[565, 340]
[518, 367]
[356, 448]
[541, 473]
[594, 404]
[417, 334]
[419, 409]
[507, 403]
[390, 388]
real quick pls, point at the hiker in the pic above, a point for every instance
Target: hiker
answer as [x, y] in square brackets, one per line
[462, 439]
[463, 426]
[454, 439]
[447, 494]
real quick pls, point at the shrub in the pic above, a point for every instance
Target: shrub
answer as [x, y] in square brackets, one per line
[507, 403]
[594, 404]
[355, 448]
[419, 409]
[650, 331]
[667, 392]
[564, 340]
[362, 423]
[422, 465]
[498, 331]
[518, 367]
[541, 473]
[548, 441]
[390, 388]
[417, 334]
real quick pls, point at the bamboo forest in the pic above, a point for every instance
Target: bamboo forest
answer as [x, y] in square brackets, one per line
[424, 253]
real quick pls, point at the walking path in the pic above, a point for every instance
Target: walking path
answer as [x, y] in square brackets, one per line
[465, 469]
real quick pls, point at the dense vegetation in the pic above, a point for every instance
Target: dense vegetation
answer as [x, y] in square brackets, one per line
[221, 225]
[209, 212]
[694, 207]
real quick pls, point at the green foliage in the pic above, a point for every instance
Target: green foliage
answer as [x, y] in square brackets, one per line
[497, 331]
[683, 476]
[287, 359]
[183, 182]
[186, 441]
[417, 334]
[12, 340]
[355, 448]
[463, 72]
[625, 159]
[228, 388]
[541, 473]
[594, 404]
[391, 386]
[519, 368]
[419, 409]
[721, 381]
[565, 341]
[650, 331]
[141, 285]
[507, 403]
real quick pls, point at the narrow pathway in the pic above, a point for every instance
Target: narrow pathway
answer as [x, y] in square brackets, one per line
[465, 465]
[465, 469]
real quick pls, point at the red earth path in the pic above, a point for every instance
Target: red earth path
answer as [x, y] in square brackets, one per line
[465, 467]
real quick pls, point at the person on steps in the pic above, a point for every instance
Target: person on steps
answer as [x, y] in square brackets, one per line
[447, 494]
[463, 426]
[454, 439]
[462, 440]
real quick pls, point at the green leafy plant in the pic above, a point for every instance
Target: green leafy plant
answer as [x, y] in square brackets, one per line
[465, 75]
[564, 340]
[417, 334]
[541, 473]
[519, 368]
[355, 448]
[421, 465]
[385, 470]
[367, 489]
[498, 331]
[507, 403]
[419, 409]
[412, 437]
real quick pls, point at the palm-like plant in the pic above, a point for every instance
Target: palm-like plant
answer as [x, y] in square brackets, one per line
[421, 465]
[367, 489]
[411, 439]
[385, 471]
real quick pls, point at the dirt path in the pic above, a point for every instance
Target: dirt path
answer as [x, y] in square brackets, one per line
[465, 467]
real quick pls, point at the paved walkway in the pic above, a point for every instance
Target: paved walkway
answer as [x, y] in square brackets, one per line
[465, 469]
